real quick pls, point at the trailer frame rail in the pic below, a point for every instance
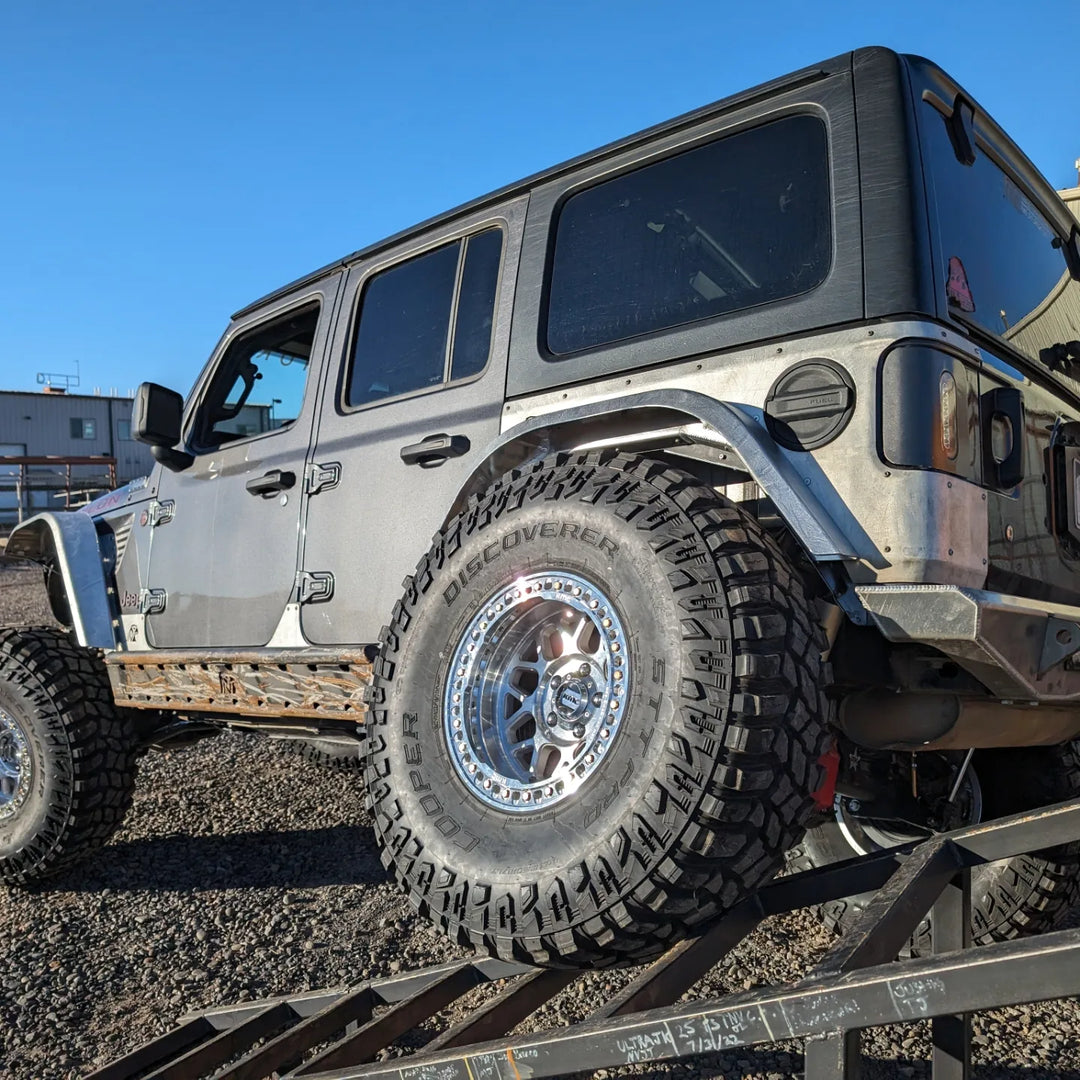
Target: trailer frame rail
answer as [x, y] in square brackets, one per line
[858, 983]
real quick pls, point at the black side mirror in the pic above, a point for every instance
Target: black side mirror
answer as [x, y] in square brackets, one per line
[155, 420]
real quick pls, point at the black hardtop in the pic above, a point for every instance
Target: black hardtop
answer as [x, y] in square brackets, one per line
[802, 77]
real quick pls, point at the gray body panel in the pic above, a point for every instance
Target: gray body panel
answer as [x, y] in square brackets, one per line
[371, 528]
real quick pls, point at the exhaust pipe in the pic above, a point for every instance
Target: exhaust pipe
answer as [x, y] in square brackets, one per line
[879, 720]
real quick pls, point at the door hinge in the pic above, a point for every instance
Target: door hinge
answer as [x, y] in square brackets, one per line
[323, 477]
[158, 513]
[152, 601]
[314, 586]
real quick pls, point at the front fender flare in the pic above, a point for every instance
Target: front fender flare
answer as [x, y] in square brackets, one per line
[67, 544]
[795, 482]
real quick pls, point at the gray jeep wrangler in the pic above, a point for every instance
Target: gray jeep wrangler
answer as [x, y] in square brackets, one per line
[749, 451]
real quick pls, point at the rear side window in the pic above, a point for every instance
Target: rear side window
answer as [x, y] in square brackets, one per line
[426, 321]
[729, 225]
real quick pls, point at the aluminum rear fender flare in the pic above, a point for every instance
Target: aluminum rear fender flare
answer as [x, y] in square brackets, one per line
[795, 482]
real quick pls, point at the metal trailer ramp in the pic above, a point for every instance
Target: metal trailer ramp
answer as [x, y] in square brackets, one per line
[857, 984]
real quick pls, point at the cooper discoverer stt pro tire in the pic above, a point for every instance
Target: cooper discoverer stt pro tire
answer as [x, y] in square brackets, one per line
[597, 714]
[67, 755]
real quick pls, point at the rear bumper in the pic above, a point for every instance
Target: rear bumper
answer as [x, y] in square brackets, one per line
[1021, 649]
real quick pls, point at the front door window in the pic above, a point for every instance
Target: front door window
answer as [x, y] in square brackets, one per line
[259, 384]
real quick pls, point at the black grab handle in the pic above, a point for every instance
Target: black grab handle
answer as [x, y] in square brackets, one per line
[271, 483]
[434, 450]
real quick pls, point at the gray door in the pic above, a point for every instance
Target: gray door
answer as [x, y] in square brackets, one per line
[224, 560]
[420, 351]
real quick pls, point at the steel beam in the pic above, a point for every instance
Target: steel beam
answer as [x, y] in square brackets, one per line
[1014, 972]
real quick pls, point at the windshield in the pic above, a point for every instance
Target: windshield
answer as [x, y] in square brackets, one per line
[999, 263]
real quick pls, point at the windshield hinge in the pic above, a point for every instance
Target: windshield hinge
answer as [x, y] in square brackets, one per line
[314, 586]
[323, 477]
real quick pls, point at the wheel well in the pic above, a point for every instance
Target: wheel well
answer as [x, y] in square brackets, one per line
[38, 545]
[726, 434]
[673, 434]
[677, 438]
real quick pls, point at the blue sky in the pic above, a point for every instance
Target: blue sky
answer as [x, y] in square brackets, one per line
[164, 163]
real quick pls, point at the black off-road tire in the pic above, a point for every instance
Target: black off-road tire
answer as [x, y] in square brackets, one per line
[338, 755]
[711, 776]
[82, 754]
[1012, 898]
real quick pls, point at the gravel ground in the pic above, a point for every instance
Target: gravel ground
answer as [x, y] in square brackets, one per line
[243, 872]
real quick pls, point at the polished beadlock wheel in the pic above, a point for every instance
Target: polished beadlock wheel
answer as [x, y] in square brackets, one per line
[537, 692]
[16, 766]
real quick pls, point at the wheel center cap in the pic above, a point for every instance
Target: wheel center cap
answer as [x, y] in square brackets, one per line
[572, 700]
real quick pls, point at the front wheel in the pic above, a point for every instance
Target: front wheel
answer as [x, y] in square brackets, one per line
[597, 714]
[67, 755]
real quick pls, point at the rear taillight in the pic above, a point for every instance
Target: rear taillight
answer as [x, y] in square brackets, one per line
[950, 442]
[930, 410]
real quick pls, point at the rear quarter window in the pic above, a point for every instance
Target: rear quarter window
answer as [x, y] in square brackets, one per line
[738, 222]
